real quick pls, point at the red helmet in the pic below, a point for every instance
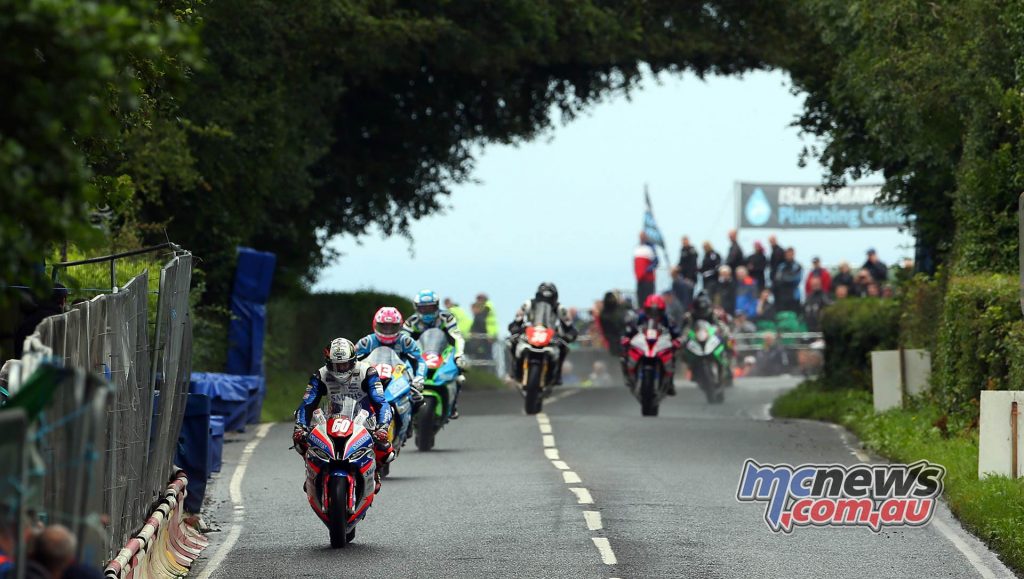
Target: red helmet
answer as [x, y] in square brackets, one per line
[387, 323]
[654, 301]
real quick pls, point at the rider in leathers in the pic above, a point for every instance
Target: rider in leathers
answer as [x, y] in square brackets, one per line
[430, 315]
[387, 331]
[654, 309]
[567, 332]
[341, 377]
[703, 309]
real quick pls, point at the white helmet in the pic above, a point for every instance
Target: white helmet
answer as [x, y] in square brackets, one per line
[340, 356]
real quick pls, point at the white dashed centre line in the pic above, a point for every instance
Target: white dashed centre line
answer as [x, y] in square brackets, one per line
[593, 519]
[582, 495]
[605, 548]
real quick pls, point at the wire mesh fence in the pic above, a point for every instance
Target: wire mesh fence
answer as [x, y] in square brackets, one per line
[106, 430]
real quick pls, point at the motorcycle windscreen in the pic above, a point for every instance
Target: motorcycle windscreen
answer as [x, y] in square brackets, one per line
[433, 341]
[542, 314]
[386, 361]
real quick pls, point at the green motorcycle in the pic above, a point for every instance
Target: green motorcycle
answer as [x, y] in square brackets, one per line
[708, 361]
[439, 388]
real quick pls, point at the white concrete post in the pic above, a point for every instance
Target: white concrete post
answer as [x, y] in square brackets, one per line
[999, 445]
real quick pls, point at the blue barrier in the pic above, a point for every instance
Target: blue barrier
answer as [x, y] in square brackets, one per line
[216, 442]
[253, 278]
[193, 454]
[229, 396]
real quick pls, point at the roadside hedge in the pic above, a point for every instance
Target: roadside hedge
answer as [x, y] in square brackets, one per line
[853, 328]
[979, 341]
[299, 328]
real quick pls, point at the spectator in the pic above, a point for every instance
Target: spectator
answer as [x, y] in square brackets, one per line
[887, 291]
[599, 375]
[645, 262]
[709, 268]
[820, 273]
[725, 290]
[861, 282]
[33, 312]
[772, 359]
[682, 288]
[741, 323]
[786, 283]
[462, 319]
[766, 305]
[778, 255]
[816, 302]
[758, 264]
[746, 293]
[842, 292]
[734, 258]
[484, 329]
[54, 550]
[688, 261]
[843, 277]
[613, 322]
[873, 291]
[878, 270]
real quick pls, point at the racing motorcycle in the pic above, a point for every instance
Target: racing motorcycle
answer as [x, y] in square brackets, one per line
[340, 467]
[706, 357]
[535, 352]
[398, 392]
[439, 388]
[648, 359]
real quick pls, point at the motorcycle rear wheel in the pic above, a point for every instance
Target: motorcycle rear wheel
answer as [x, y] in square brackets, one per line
[534, 402]
[425, 424]
[648, 396]
[337, 510]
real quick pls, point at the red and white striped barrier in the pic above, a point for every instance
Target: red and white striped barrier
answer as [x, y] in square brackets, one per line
[166, 546]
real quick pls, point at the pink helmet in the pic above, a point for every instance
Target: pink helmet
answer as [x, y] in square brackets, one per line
[387, 323]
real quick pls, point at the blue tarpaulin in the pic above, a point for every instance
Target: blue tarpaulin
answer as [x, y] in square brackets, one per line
[193, 454]
[249, 296]
[216, 442]
[231, 396]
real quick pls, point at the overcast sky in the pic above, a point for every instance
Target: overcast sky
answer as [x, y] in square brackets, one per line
[568, 208]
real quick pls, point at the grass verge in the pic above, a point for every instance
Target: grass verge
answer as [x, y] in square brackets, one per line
[992, 508]
[285, 389]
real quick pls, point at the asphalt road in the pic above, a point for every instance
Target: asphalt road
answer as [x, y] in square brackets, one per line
[592, 490]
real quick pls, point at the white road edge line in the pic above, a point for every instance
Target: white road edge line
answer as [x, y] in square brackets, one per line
[605, 548]
[582, 495]
[571, 478]
[964, 548]
[593, 519]
[970, 554]
[235, 491]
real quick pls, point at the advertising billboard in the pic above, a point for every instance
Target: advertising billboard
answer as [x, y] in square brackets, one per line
[788, 206]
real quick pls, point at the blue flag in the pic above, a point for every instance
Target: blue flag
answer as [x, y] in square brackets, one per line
[650, 226]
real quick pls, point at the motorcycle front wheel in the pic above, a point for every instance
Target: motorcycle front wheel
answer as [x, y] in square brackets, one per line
[648, 395]
[337, 511]
[534, 403]
[425, 424]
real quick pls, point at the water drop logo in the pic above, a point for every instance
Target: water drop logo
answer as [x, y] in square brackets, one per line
[758, 210]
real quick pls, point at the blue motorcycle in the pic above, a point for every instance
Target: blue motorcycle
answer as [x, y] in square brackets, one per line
[396, 378]
[439, 388]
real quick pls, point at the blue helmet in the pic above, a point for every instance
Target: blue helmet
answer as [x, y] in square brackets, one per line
[427, 305]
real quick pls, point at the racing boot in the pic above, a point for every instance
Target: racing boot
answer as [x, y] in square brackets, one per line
[455, 404]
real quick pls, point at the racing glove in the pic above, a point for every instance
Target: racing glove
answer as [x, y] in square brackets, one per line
[460, 361]
[300, 440]
[417, 382]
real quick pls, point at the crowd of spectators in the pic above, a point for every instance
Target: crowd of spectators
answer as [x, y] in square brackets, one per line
[755, 286]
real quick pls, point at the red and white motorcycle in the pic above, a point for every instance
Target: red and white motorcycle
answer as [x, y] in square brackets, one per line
[648, 366]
